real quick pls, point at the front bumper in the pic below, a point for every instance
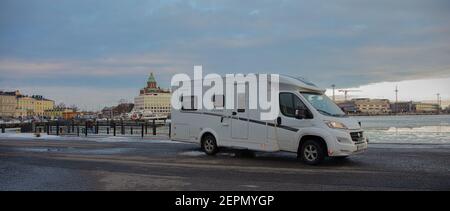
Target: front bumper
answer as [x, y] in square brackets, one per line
[345, 145]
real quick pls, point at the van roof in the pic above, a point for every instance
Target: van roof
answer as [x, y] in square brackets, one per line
[299, 83]
[296, 82]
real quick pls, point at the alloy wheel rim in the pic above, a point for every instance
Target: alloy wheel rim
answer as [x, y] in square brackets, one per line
[209, 145]
[311, 153]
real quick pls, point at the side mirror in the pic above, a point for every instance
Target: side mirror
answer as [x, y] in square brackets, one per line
[278, 121]
[300, 113]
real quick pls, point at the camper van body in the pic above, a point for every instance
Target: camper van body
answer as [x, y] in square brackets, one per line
[242, 128]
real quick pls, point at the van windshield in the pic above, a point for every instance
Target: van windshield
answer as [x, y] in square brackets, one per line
[323, 104]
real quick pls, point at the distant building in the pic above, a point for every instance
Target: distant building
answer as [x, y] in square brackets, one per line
[35, 105]
[58, 113]
[8, 104]
[107, 112]
[114, 111]
[348, 107]
[69, 115]
[123, 108]
[153, 99]
[372, 106]
[41, 104]
[425, 107]
[447, 110]
[403, 107]
[22, 105]
[25, 106]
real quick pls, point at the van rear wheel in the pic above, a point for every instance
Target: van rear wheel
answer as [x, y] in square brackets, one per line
[209, 144]
[312, 152]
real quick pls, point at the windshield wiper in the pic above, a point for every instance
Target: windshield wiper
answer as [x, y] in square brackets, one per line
[322, 111]
[327, 113]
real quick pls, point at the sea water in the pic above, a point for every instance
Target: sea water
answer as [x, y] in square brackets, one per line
[433, 129]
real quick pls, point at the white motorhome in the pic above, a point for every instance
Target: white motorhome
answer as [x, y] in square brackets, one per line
[309, 124]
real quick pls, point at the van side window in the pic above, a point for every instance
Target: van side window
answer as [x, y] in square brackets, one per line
[298, 104]
[289, 103]
[189, 103]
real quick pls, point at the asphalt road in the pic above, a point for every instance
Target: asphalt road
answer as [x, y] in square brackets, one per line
[165, 165]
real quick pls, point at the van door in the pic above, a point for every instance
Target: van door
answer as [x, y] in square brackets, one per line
[239, 117]
[290, 125]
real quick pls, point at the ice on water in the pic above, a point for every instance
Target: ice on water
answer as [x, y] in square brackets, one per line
[407, 129]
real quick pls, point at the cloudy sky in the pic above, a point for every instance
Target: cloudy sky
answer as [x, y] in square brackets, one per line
[95, 52]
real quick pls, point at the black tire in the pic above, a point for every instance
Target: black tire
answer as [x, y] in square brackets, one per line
[245, 153]
[311, 152]
[341, 157]
[209, 144]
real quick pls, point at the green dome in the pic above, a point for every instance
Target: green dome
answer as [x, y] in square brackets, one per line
[151, 78]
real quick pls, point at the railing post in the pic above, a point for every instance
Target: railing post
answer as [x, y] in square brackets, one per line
[107, 130]
[142, 130]
[48, 128]
[170, 130]
[57, 128]
[146, 127]
[131, 129]
[154, 127]
[78, 129]
[114, 128]
[85, 128]
[96, 127]
[3, 128]
[122, 129]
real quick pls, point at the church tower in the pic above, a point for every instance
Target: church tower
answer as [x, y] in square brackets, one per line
[152, 100]
[151, 82]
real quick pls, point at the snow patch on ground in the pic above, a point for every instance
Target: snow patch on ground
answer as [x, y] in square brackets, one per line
[407, 146]
[44, 136]
[193, 153]
[29, 136]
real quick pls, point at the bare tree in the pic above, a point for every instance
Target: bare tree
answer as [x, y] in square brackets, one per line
[74, 107]
[61, 105]
[123, 101]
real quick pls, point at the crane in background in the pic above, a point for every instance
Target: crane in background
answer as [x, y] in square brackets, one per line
[334, 87]
[438, 102]
[346, 91]
[396, 99]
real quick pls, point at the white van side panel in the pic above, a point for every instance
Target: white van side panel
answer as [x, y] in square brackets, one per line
[251, 133]
[243, 130]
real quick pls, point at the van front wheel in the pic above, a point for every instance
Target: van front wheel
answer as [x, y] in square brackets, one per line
[209, 144]
[311, 152]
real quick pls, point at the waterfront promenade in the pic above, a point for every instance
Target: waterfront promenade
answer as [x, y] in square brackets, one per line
[62, 163]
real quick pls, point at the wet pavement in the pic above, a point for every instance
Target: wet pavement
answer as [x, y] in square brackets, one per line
[164, 165]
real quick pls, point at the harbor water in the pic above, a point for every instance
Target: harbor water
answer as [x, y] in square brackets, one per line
[414, 129]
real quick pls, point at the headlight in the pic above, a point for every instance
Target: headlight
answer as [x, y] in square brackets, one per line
[335, 125]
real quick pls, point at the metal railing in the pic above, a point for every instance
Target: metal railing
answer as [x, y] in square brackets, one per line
[157, 127]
